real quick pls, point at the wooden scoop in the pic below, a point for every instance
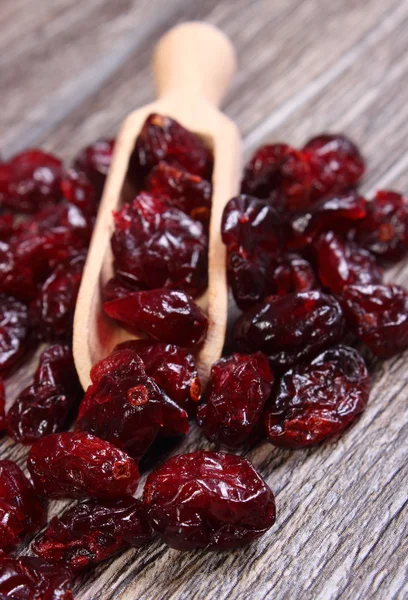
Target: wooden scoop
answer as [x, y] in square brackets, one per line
[193, 66]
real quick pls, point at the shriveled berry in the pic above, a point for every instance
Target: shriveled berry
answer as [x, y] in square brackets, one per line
[335, 162]
[53, 309]
[318, 399]
[190, 193]
[78, 190]
[30, 578]
[208, 500]
[164, 139]
[238, 390]
[45, 406]
[166, 315]
[78, 465]
[290, 328]
[94, 160]
[118, 287]
[173, 369]
[292, 273]
[14, 333]
[385, 229]
[379, 314]
[93, 531]
[21, 510]
[160, 246]
[278, 169]
[122, 405]
[343, 263]
[33, 181]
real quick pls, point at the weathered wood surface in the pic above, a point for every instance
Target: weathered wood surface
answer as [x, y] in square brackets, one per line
[70, 72]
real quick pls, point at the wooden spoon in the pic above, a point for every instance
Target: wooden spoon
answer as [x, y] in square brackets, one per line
[193, 66]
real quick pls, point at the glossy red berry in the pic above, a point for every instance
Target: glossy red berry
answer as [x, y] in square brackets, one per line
[318, 399]
[292, 273]
[30, 578]
[118, 287]
[78, 190]
[94, 160]
[14, 333]
[208, 500]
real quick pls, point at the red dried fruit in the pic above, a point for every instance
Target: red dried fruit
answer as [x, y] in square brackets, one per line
[190, 193]
[159, 246]
[208, 500]
[30, 578]
[278, 169]
[53, 309]
[32, 181]
[45, 406]
[122, 405]
[379, 314]
[9, 226]
[238, 390]
[21, 510]
[14, 333]
[118, 287]
[164, 139]
[2, 405]
[385, 229]
[335, 162]
[337, 213]
[319, 399]
[172, 368]
[94, 160]
[292, 273]
[290, 328]
[78, 190]
[343, 263]
[166, 315]
[77, 465]
[93, 531]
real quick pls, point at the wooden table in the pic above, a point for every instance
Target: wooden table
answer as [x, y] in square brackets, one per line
[70, 72]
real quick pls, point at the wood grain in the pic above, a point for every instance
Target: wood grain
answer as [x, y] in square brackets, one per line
[70, 72]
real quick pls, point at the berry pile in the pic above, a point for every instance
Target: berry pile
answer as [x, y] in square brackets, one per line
[306, 254]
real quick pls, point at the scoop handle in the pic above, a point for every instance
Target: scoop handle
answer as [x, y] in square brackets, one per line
[194, 59]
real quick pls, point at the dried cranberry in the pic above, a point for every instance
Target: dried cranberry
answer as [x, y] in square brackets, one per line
[2, 405]
[238, 389]
[165, 315]
[30, 578]
[76, 465]
[160, 246]
[385, 229]
[78, 190]
[122, 405]
[190, 193]
[208, 500]
[337, 213]
[319, 399]
[379, 314]
[33, 181]
[44, 406]
[53, 309]
[290, 328]
[14, 333]
[343, 263]
[335, 162]
[94, 160]
[9, 226]
[93, 531]
[21, 510]
[292, 273]
[172, 368]
[278, 169]
[118, 287]
[164, 139]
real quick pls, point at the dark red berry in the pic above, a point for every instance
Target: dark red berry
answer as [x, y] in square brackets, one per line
[208, 500]
[14, 333]
[93, 531]
[385, 229]
[379, 315]
[290, 328]
[164, 139]
[335, 162]
[118, 287]
[318, 399]
[238, 390]
[78, 465]
[94, 160]
[21, 510]
[292, 273]
[78, 190]
[278, 169]
[2, 405]
[160, 246]
[343, 263]
[165, 315]
[30, 578]
[190, 193]
[10, 226]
